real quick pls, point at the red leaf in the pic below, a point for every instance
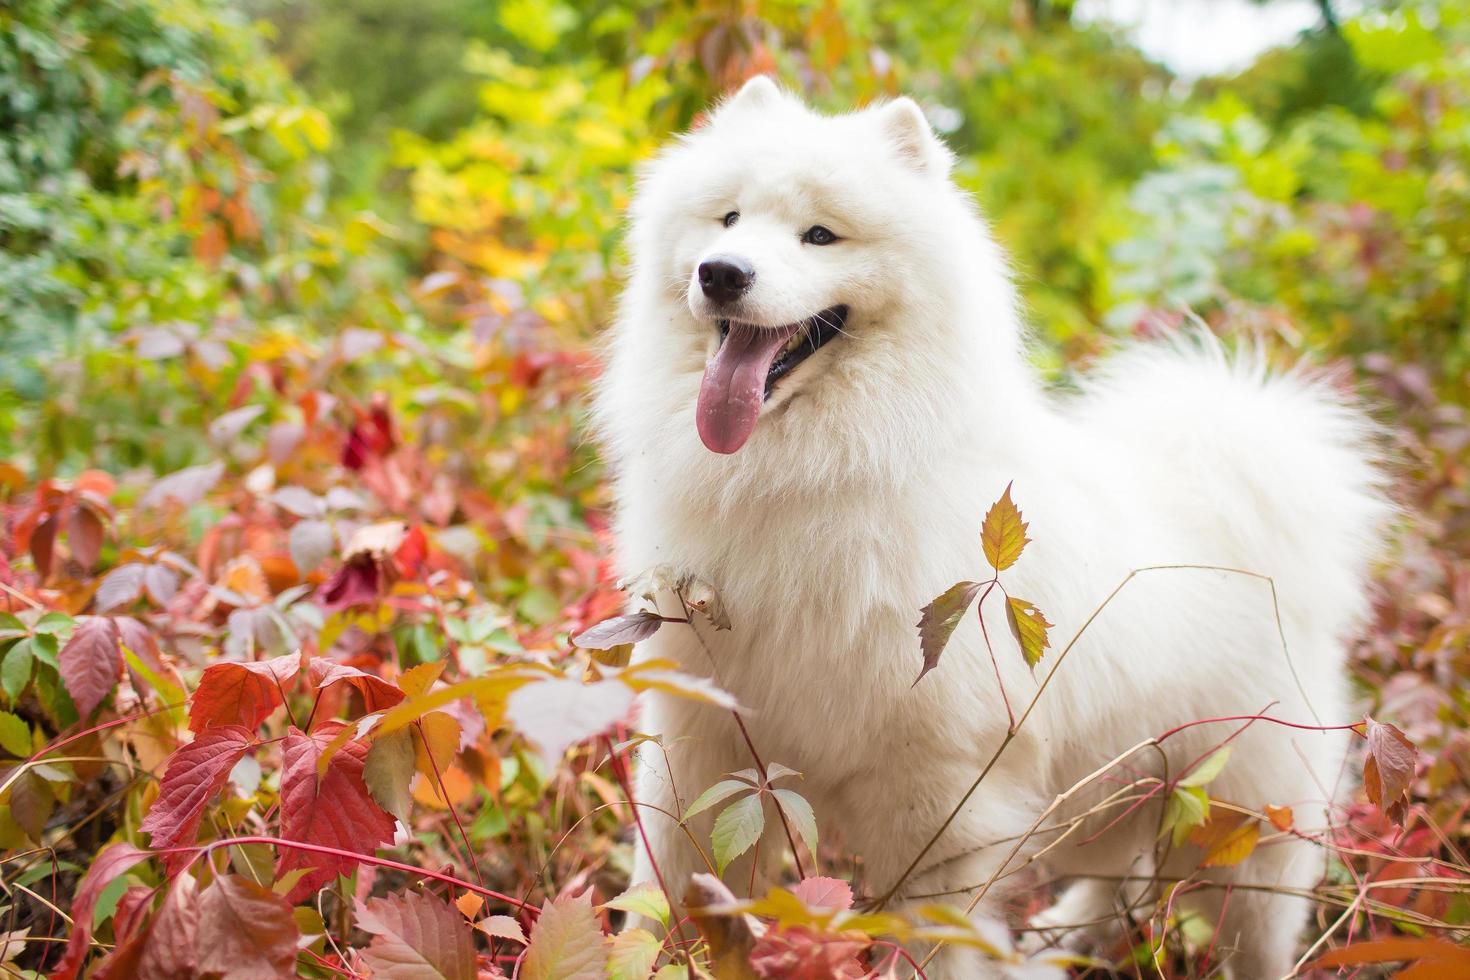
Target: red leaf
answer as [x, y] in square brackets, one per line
[416, 935]
[84, 531]
[334, 809]
[111, 862]
[43, 544]
[1389, 770]
[377, 694]
[195, 773]
[91, 662]
[356, 583]
[170, 952]
[799, 953]
[824, 893]
[245, 931]
[234, 692]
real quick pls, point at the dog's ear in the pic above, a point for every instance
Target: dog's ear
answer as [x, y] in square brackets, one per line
[760, 92]
[903, 123]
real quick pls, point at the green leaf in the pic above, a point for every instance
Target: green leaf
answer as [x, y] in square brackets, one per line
[799, 812]
[1207, 770]
[719, 791]
[388, 772]
[15, 735]
[45, 647]
[11, 627]
[53, 623]
[1003, 535]
[938, 620]
[15, 672]
[1187, 808]
[645, 900]
[631, 955]
[1029, 628]
[737, 828]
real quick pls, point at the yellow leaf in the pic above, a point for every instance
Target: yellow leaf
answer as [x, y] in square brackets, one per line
[1227, 838]
[1004, 533]
[436, 748]
[1029, 628]
[418, 680]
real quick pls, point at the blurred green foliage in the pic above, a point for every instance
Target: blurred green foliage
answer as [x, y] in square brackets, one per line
[166, 183]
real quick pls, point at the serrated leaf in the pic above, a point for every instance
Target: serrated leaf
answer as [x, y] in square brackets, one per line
[112, 861]
[609, 633]
[502, 927]
[248, 931]
[417, 936]
[824, 893]
[333, 808]
[1227, 838]
[736, 830]
[937, 621]
[194, 774]
[646, 900]
[719, 791]
[15, 670]
[632, 954]
[388, 771]
[1388, 771]
[566, 942]
[558, 712]
[241, 693]
[1003, 535]
[1206, 771]
[799, 812]
[1029, 627]
[91, 662]
[776, 771]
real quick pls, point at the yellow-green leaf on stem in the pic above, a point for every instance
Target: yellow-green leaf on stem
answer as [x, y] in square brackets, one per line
[1029, 627]
[1003, 534]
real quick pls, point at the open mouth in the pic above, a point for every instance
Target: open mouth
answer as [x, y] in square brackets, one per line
[746, 368]
[807, 337]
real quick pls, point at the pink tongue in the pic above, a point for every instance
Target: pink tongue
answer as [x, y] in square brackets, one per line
[734, 385]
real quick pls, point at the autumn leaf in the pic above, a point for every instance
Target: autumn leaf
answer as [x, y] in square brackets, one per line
[1227, 838]
[1029, 627]
[195, 773]
[801, 953]
[388, 772]
[170, 950]
[613, 632]
[91, 662]
[824, 893]
[112, 861]
[566, 942]
[631, 954]
[1186, 808]
[1003, 534]
[937, 622]
[377, 694]
[245, 693]
[1436, 958]
[122, 586]
[502, 927]
[248, 931]
[333, 809]
[559, 712]
[1389, 769]
[647, 900]
[728, 936]
[416, 936]
[1280, 816]
[736, 829]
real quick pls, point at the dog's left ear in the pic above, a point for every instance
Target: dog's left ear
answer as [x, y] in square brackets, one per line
[903, 122]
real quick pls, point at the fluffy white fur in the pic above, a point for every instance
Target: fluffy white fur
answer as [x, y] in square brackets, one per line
[860, 495]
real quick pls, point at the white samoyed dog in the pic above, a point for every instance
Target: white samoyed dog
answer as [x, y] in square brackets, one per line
[816, 387]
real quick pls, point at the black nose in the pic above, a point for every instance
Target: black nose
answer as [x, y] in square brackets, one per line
[725, 277]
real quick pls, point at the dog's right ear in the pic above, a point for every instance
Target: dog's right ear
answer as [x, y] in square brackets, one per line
[760, 92]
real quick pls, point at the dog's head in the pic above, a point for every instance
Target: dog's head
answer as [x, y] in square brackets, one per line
[782, 243]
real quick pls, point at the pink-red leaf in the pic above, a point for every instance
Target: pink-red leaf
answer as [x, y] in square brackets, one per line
[333, 809]
[377, 694]
[111, 862]
[825, 893]
[91, 662]
[235, 692]
[246, 932]
[195, 773]
[417, 936]
[799, 953]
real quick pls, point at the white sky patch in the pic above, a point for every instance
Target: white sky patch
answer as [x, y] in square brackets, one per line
[1194, 38]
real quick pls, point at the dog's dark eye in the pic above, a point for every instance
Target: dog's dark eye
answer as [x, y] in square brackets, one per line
[817, 235]
[731, 218]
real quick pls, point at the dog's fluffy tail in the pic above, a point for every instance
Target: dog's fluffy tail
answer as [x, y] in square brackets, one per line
[1283, 465]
